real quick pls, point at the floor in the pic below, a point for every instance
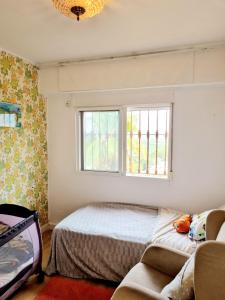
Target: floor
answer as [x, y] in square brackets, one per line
[32, 288]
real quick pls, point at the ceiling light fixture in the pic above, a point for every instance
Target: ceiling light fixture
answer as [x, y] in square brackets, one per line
[79, 9]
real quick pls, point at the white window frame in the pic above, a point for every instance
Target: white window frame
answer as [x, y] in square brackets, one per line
[123, 109]
[79, 139]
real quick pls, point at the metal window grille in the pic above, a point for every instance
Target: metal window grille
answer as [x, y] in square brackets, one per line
[148, 138]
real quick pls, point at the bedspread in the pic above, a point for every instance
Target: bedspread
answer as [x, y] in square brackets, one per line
[102, 241]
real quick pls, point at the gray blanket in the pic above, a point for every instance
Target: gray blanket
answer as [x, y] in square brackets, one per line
[102, 241]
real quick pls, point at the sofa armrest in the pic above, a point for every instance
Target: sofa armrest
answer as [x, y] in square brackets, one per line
[214, 222]
[209, 279]
[164, 259]
[134, 291]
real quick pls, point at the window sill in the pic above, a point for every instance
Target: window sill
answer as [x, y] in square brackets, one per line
[152, 177]
[100, 173]
[119, 174]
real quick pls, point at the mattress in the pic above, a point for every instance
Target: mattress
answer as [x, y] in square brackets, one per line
[102, 241]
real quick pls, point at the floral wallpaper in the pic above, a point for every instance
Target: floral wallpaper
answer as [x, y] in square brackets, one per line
[23, 151]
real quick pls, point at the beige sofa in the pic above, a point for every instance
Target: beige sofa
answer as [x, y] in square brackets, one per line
[159, 265]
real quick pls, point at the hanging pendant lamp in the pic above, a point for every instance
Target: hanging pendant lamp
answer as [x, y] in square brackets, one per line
[79, 9]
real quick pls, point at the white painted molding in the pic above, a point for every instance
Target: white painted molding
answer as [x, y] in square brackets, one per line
[196, 67]
[205, 46]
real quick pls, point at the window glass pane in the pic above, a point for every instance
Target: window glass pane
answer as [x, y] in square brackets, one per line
[135, 156]
[148, 141]
[100, 141]
[161, 155]
[135, 121]
[143, 154]
[152, 121]
[129, 122]
[162, 121]
[144, 122]
[152, 154]
[129, 152]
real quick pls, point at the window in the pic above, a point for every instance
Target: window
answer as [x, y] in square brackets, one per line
[148, 141]
[140, 148]
[100, 141]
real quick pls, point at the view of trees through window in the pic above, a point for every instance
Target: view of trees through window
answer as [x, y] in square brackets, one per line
[100, 141]
[147, 141]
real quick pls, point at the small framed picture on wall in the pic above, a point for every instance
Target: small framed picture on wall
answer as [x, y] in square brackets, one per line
[10, 115]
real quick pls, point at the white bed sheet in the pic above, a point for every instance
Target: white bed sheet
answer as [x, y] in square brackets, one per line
[165, 234]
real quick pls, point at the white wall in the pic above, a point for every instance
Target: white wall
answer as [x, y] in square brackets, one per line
[198, 161]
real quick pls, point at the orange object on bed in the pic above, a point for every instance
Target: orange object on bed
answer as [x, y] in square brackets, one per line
[182, 225]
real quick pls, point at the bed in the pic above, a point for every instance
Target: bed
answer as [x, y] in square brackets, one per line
[105, 240]
[101, 241]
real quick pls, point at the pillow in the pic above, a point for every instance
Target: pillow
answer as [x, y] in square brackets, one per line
[182, 225]
[221, 234]
[197, 228]
[182, 286]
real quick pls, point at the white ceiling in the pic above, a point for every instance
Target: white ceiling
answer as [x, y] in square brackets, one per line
[35, 30]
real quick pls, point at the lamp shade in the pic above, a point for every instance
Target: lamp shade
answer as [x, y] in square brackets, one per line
[79, 9]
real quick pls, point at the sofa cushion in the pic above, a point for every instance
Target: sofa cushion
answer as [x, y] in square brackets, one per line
[221, 234]
[182, 287]
[147, 277]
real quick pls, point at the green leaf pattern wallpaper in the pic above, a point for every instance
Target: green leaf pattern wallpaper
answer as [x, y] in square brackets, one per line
[23, 151]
